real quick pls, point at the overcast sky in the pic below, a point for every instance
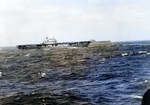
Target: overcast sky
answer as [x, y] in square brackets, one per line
[30, 21]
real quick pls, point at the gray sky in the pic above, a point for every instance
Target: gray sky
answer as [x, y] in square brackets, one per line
[30, 21]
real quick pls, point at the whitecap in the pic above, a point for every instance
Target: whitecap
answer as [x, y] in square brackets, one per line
[27, 55]
[142, 52]
[125, 54]
[137, 96]
[146, 81]
[148, 53]
[0, 74]
[43, 74]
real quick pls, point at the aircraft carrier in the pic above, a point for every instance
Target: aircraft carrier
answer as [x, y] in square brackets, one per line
[52, 43]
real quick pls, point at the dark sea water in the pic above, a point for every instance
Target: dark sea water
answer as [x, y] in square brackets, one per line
[120, 80]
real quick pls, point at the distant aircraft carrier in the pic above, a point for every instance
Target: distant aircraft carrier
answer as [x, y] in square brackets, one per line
[52, 43]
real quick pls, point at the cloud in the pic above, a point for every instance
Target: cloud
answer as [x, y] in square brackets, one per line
[29, 21]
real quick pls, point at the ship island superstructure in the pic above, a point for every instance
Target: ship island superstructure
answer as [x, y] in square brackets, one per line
[49, 41]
